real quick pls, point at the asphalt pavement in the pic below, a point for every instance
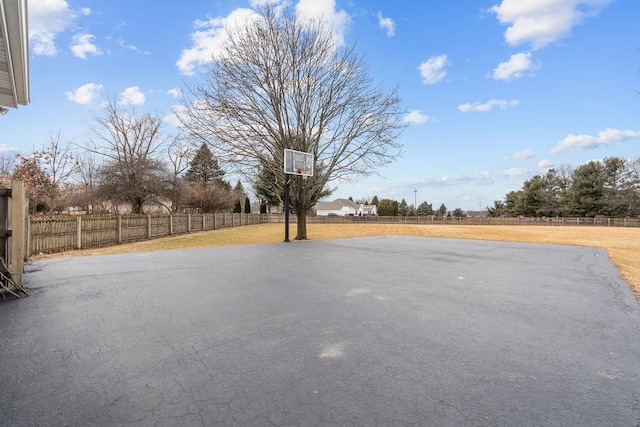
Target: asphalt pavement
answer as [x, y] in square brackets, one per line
[390, 330]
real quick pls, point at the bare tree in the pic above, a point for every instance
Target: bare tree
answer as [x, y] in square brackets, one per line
[131, 145]
[7, 163]
[179, 152]
[282, 82]
[60, 164]
[86, 174]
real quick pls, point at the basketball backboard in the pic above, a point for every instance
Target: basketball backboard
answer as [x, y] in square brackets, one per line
[298, 163]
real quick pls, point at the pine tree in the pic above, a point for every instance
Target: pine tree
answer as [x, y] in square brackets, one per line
[237, 207]
[204, 167]
[402, 208]
[247, 206]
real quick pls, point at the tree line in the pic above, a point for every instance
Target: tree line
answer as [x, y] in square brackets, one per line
[390, 207]
[127, 164]
[609, 187]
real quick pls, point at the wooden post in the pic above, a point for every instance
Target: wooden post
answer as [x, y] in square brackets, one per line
[119, 229]
[78, 232]
[170, 224]
[148, 226]
[215, 223]
[27, 238]
[204, 221]
[16, 259]
[188, 223]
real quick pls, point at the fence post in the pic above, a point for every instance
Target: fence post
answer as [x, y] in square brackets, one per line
[170, 224]
[78, 232]
[577, 220]
[204, 221]
[17, 218]
[148, 226]
[119, 229]
[188, 223]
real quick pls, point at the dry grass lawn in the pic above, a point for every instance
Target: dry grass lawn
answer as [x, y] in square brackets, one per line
[622, 244]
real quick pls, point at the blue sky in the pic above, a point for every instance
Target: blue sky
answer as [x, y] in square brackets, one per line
[496, 91]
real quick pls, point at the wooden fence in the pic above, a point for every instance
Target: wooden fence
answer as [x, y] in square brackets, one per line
[556, 221]
[61, 233]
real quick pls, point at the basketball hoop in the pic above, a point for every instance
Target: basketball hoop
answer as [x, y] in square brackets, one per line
[298, 163]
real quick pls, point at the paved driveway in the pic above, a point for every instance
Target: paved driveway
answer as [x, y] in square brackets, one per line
[389, 330]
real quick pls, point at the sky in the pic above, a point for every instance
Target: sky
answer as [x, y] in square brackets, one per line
[495, 91]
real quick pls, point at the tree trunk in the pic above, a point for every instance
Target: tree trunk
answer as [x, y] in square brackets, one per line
[136, 206]
[301, 233]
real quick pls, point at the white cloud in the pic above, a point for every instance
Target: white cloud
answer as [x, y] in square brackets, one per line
[82, 44]
[85, 94]
[478, 178]
[511, 172]
[540, 22]
[47, 18]
[210, 37]
[325, 10]
[85, 11]
[387, 24]
[132, 96]
[125, 45]
[172, 118]
[524, 154]
[585, 142]
[433, 70]
[515, 67]
[416, 117]
[175, 92]
[503, 104]
[545, 164]
[262, 3]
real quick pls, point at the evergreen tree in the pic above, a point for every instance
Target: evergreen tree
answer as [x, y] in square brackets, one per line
[204, 167]
[499, 209]
[237, 207]
[263, 207]
[402, 208]
[375, 200]
[458, 213]
[425, 209]
[586, 194]
[442, 211]
[247, 206]
[269, 188]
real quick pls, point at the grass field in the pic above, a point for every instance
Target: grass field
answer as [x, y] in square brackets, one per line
[622, 244]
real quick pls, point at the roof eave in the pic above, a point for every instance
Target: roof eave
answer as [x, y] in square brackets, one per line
[16, 37]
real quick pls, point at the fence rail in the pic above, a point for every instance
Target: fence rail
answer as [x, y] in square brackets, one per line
[62, 233]
[556, 221]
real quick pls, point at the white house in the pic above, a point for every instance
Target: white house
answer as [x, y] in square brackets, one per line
[367, 210]
[340, 207]
[345, 207]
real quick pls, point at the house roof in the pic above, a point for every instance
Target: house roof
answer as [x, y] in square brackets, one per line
[336, 205]
[14, 53]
